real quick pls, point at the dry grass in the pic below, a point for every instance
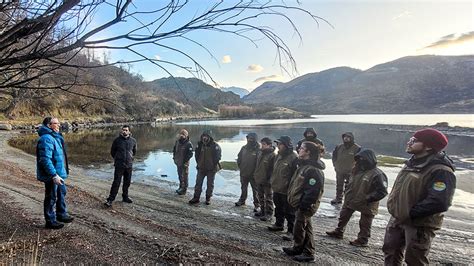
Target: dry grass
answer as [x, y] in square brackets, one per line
[21, 252]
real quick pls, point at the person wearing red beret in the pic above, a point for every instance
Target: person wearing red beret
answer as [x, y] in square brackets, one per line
[422, 192]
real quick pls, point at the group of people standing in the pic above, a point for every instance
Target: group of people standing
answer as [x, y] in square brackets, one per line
[289, 185]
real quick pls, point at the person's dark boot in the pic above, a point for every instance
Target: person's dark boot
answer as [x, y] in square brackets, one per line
[239, 203]
[359, 243]
[54, 225]
[194, 201]
[208, 201]
[292, 251]
[108, 203]
[275, 227]
[259, 214]
[288, 236]
[266, 217]
[335, 233]
[336, 201]
[304, 258]
[127, 200]
[66, 219]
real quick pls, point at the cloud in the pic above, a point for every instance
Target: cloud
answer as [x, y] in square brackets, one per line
[226, 59]
[452, 39]
[255, 68]
[269, 78]
[402, 15]
[157, 57]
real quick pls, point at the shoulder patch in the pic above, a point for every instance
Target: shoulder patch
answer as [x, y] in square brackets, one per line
[312, 181]
[439, 186]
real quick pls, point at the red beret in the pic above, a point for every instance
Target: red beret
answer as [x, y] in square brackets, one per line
[432, 138]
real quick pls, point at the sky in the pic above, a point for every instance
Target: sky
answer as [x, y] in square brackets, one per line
[358, 34]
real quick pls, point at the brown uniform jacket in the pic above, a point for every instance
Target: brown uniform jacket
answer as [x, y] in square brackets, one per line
[283, 169]
[343, 156]
[306, 186]
[367, 185]
[247, 159]
[423, 190]
[264, 168]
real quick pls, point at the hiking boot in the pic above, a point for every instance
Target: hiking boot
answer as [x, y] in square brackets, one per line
[66, 219]
[54, 225]
[256, 209]
[358, 243]
[259, 214]
[292, 251]
[239, 203]
[275, 228]
[304, 258]
[127, 200]
[108, 203]
[208, 201]
[335, 234]
[265, 218]
[194, 201]
[336, 201]
[288, 236]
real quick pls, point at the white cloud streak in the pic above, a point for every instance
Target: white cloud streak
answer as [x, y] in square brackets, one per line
[255, 68]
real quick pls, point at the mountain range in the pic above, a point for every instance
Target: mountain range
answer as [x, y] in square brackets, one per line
[414, 84]
[239, 91]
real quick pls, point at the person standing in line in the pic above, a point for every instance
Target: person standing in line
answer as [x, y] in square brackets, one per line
[343, 161]
[422, 192]
[182, 153]
[123, 150]
[247, 161]
[283, 169]
[304, 194]
[311, 136]
[208, 155]
[367, 186]
[52, 168]
[262, 175]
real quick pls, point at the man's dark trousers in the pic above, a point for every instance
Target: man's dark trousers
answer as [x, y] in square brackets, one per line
[127, 178]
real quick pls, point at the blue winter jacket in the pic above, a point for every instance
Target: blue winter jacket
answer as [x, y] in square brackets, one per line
[51, 158]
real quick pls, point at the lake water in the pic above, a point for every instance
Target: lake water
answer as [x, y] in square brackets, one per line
[154, 164]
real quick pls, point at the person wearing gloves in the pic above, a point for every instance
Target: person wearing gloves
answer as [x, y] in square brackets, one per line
[304, 195]
[367, 186]
[422, 192]
[52, 168]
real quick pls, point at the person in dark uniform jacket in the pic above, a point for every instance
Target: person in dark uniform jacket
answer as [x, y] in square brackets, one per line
[423, 190]
[304, 195]
[367, 186]
[208, 155]
[182, 153]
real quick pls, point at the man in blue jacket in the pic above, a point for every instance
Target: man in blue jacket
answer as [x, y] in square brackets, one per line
[52, 169]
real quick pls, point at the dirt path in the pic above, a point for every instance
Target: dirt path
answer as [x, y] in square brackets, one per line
[160, 227]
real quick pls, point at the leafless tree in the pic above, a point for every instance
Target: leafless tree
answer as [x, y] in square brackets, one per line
[41, 40]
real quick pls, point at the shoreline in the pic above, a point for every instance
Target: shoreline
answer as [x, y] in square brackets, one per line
[160, 227]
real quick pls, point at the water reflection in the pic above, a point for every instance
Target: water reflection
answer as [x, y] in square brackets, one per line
[154, 164]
